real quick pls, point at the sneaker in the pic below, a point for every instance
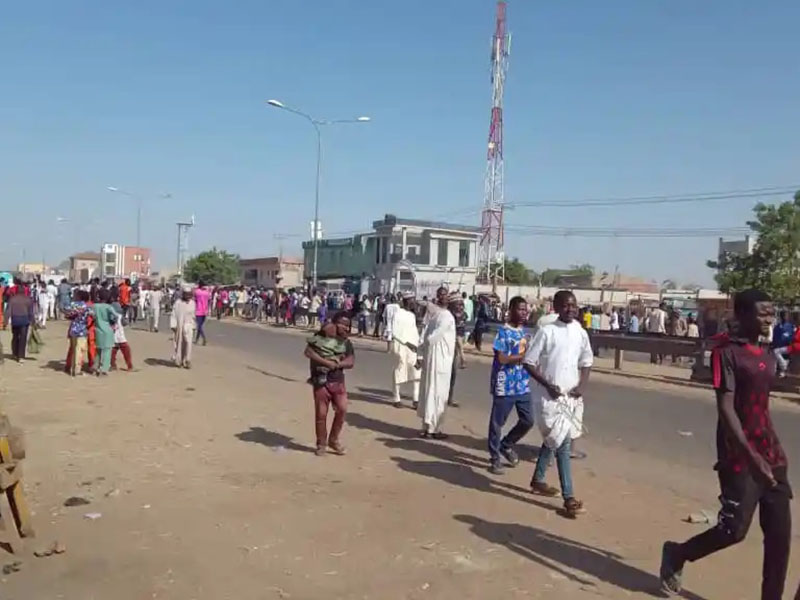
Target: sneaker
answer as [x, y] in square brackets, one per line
[671, 572]
[496, 468]
[511, 456]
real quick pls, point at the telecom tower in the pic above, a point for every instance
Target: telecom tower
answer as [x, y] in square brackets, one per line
[491, 257]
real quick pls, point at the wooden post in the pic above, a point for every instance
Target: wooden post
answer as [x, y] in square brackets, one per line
[619, 355]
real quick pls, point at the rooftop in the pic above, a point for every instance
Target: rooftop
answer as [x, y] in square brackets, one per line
[286, 260]
[86, 256]
[393, 221]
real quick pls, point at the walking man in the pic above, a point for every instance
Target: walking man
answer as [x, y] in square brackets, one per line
[751, 465]
[181, 322]
[559, 360]
[510, 387]
[154, 299]
[405, 343]
[438, 352]
[202, 298]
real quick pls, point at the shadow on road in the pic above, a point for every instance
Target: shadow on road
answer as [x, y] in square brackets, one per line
[556, 552]
[273, 375]
[466, 477]
[159, 362]
[271, 439]
[360, 421]
[53, 365]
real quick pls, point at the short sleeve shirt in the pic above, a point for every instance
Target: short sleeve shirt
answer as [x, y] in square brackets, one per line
[746, 371]
[201, 298]
[510, 380]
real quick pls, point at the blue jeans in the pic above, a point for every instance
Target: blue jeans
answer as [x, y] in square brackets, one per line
[200, 321]
[501, 408]
[562, 462]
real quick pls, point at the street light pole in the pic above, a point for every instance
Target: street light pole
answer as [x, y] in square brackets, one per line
[317, 123]
[138, 199]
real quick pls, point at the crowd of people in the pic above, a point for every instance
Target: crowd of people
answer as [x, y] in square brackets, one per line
[540, 369]
[542, 376]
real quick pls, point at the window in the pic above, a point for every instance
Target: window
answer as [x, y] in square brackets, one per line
[377, 251]
[251, 274]
[463, 254]
[441, 255]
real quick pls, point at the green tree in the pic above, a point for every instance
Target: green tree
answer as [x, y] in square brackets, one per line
[516, 273]
[774, 264]
[213, 266]
[576, 275]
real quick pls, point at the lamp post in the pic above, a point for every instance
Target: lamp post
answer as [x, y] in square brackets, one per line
[138, 199]
[317, 124]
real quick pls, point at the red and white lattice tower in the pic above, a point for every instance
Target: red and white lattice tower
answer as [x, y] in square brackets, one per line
[491, 257]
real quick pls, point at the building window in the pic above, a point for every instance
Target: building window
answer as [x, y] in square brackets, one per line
[463, 254]
[377, 251]
[441, 253]
[251, 274]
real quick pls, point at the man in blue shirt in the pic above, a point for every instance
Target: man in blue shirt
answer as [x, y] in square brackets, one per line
[782, 338]
[510, 387]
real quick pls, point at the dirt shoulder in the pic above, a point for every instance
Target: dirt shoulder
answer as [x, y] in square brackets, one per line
[208, 489]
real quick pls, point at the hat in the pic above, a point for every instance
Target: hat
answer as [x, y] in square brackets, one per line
[187, 289]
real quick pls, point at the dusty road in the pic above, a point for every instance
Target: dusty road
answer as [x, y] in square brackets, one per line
[208, 489]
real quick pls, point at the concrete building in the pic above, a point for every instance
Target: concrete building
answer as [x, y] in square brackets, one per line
[84, 266]
[26, 269]
[399, 255]
[272, 272]
[743, 247]
[120, 262]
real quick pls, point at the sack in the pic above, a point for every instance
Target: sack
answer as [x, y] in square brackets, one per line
[35, 342]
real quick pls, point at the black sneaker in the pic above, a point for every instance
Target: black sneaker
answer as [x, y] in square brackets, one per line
[511, 456]
[671, 572]
[496, 468]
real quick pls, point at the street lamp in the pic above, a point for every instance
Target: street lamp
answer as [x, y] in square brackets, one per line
[317, 123]
[138, 199]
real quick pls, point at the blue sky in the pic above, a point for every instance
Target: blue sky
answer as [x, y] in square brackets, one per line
[614, 98]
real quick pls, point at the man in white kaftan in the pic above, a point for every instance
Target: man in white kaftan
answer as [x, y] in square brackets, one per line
[559, 359]
[388, 321]
[405, 342]
[438, 349]
[182, 323]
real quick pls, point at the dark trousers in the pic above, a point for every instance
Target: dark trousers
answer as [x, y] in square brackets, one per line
[19, 340]
[740, 496]
[126, 354]
[501, 409]
[362, 324]
[200, 321]
[477, 338]
[324, 396]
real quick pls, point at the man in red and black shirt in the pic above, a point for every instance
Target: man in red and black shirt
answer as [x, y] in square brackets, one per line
[751, 463]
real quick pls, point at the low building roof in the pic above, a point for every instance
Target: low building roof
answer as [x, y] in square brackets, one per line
[392, 221]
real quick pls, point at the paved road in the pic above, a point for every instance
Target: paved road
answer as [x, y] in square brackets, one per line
[640, 420]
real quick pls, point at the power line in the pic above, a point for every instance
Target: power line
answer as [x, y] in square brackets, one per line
[631, 232]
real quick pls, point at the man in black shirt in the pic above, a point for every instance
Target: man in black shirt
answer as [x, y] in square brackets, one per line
[751, 463]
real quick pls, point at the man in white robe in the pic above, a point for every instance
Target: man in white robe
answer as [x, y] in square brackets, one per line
[154, 308]
[388, 321]
[182, 323]
[438, 349]
[405, 343]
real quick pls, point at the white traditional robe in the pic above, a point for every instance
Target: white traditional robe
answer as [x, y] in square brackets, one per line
[438, 349]
[560, 350]
[388, 317]
[182, 322]
[404, 330]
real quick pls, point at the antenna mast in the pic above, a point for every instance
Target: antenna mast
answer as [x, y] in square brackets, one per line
[491, 257]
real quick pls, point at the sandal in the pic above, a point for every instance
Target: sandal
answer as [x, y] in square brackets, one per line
[439, 436]
[542, 489]
[573, 507]
[424, 435]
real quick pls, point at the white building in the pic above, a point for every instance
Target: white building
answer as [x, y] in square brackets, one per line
[399, 255]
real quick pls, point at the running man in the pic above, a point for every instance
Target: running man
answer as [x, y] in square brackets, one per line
[751, 465]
